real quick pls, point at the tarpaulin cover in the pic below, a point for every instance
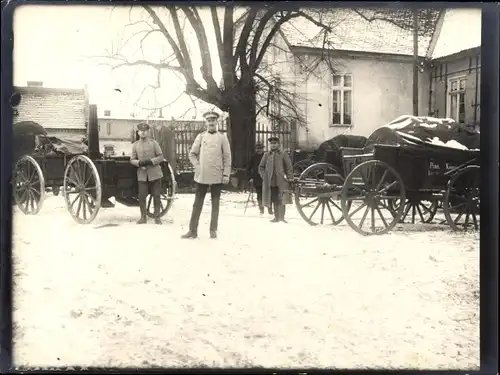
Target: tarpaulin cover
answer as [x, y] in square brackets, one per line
[412, 130]
[54, 145]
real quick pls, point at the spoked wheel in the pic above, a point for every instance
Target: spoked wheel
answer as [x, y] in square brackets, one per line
[422, 210]
[28, 185]
[168, 188]
[369, 188]
[461, 200]
[301, 166]
[316, 192]
[82, 189]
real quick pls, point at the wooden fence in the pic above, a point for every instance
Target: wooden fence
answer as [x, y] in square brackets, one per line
[185, 135]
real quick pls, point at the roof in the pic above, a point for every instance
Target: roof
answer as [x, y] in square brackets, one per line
[52, 108]
[47, 90]
[353, 31]
[460, 31]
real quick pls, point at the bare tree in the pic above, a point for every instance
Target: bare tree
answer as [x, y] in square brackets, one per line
[240, 49]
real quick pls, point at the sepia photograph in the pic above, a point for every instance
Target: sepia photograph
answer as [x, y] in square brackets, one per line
[246, 186]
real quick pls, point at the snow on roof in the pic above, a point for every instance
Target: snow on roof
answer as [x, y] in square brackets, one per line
[352, 32]
[461, 30]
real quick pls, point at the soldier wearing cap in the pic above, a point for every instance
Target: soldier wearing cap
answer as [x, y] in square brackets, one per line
[147, 156]
[211, 157]
[276, 171]
[254, 177]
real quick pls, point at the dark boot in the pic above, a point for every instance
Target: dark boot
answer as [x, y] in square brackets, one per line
[157, 206]
[189, 235]
[142, 206]
[276, 213]
[261, 210]
[213, 234]
[282, 214]
[157, 213]
[270, 210]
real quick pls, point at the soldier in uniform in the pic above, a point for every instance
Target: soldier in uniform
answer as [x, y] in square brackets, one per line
[211, 157]
[276, 171]
[254, 177]
[147, 156]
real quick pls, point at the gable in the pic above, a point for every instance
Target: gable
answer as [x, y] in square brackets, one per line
[461, 30]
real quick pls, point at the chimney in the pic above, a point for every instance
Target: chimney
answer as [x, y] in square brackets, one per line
[35, 84]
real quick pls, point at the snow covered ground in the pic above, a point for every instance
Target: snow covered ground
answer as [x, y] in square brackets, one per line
[276, 295]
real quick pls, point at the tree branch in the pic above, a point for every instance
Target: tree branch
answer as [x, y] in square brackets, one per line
[240, 51]
[182, 41]
[218, 36]
[125, 62]
[229, 74]
[171, 41]
[206, 67]
[258, 33]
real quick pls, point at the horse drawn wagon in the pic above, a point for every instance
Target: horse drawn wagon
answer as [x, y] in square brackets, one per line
[87, 180]
[376, 181]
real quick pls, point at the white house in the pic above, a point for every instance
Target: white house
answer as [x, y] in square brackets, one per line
[361, 76]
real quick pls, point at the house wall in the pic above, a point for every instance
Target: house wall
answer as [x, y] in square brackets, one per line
[279, 62]
[382, 89]
[462, 65]
[60, 111]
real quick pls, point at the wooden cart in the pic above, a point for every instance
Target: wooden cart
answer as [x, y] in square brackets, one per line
[422, 176]
[86, 180]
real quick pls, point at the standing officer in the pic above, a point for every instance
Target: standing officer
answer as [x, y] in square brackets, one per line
[276, 171]
[254, 177]
[147, 156]
[211, 157]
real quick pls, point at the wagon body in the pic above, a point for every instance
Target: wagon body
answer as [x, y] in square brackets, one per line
[423, 168]
[421, 175]
[87, 180]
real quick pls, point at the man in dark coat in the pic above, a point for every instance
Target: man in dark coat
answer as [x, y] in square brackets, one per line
[254, 177]
[147, 156]
[276, 171]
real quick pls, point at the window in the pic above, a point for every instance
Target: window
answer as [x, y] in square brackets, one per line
[107, 112]
[342, 100]
[456, 109]
[108, 128]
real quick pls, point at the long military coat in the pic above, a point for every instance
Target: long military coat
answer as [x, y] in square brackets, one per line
[211, 157]
[284, 171]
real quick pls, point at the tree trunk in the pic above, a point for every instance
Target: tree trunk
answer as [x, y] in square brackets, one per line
[242, 132]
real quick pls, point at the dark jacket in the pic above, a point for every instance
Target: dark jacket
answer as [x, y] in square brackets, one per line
[253, 169]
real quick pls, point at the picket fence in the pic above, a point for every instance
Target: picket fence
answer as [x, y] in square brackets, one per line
[185, 133]
[185, 137]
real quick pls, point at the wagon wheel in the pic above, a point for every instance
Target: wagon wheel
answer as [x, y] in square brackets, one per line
[29, 185]
[461, 200]
[168, 187]
[417, 209]
[315, 195]
[82, 189]
[301, 166]
[370, 186]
